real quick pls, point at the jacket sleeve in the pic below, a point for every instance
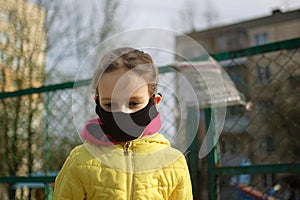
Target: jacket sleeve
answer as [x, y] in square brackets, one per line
[184, 187]
[67, 183]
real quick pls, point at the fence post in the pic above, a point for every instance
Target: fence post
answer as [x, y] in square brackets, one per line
[48, 193]
[192, 130]
[211, 157]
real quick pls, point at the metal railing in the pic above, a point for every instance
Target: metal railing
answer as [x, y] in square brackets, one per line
[265, 134]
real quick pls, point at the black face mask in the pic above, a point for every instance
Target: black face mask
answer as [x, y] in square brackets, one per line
[123, 127]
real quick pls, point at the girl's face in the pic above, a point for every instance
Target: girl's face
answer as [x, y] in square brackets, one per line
[123, 91]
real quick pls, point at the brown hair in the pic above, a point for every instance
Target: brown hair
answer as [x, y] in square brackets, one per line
[130, 58]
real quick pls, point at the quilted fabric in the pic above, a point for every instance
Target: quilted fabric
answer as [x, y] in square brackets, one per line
[146, 168]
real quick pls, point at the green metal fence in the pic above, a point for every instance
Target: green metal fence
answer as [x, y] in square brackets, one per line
[37, 129]
[266, 136]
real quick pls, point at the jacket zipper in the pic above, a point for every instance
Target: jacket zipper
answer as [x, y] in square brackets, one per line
[129, 159]
[126, 148]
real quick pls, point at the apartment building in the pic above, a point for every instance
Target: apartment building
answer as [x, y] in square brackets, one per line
[275, 27]
[266, 133]
[22, 65]
[22, 45]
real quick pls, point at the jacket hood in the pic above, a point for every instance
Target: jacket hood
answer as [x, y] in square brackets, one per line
[92, 134]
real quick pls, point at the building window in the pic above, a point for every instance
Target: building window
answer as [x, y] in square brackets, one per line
[15, 64]
[263, 74]
[3, 38]
[236, 110]
[4, 16]
[232, 146]
[222, 43]
[223, 146]
[3, 57]
[260, 39]
[18, 26]
[265, 105]
[266, 145]
[269, 144]
[18, 43]
[228, 146]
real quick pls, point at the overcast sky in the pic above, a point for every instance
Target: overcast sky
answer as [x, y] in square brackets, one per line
[166, 13]
[169, 14]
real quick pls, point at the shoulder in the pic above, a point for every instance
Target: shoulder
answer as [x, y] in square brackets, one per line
[166, 150]
[80, 149]
[180, 161]
[78, 152]
[156, 151]
[79, 156]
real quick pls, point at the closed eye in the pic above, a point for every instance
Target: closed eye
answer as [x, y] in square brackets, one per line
[107, 105]
[134, 104]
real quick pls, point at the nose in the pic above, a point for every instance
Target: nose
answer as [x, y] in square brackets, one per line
[121, 108]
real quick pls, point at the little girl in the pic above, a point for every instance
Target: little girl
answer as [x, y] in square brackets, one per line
[124, 156]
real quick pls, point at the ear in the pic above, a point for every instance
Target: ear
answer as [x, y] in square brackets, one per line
[157, 98]
[96, 99]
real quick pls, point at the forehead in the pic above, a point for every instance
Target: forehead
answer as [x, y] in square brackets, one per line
[122, 83]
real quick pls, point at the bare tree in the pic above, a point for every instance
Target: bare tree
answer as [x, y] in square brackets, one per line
[42, 37]
[23, 67]
[210, 14]
[187, 16]
[73, 28]
[191, 16]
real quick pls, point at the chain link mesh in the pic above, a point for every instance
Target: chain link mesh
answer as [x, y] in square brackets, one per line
[267, 133]
[38, 131]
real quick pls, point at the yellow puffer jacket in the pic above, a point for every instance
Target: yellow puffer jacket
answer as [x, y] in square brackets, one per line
[146, 168]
